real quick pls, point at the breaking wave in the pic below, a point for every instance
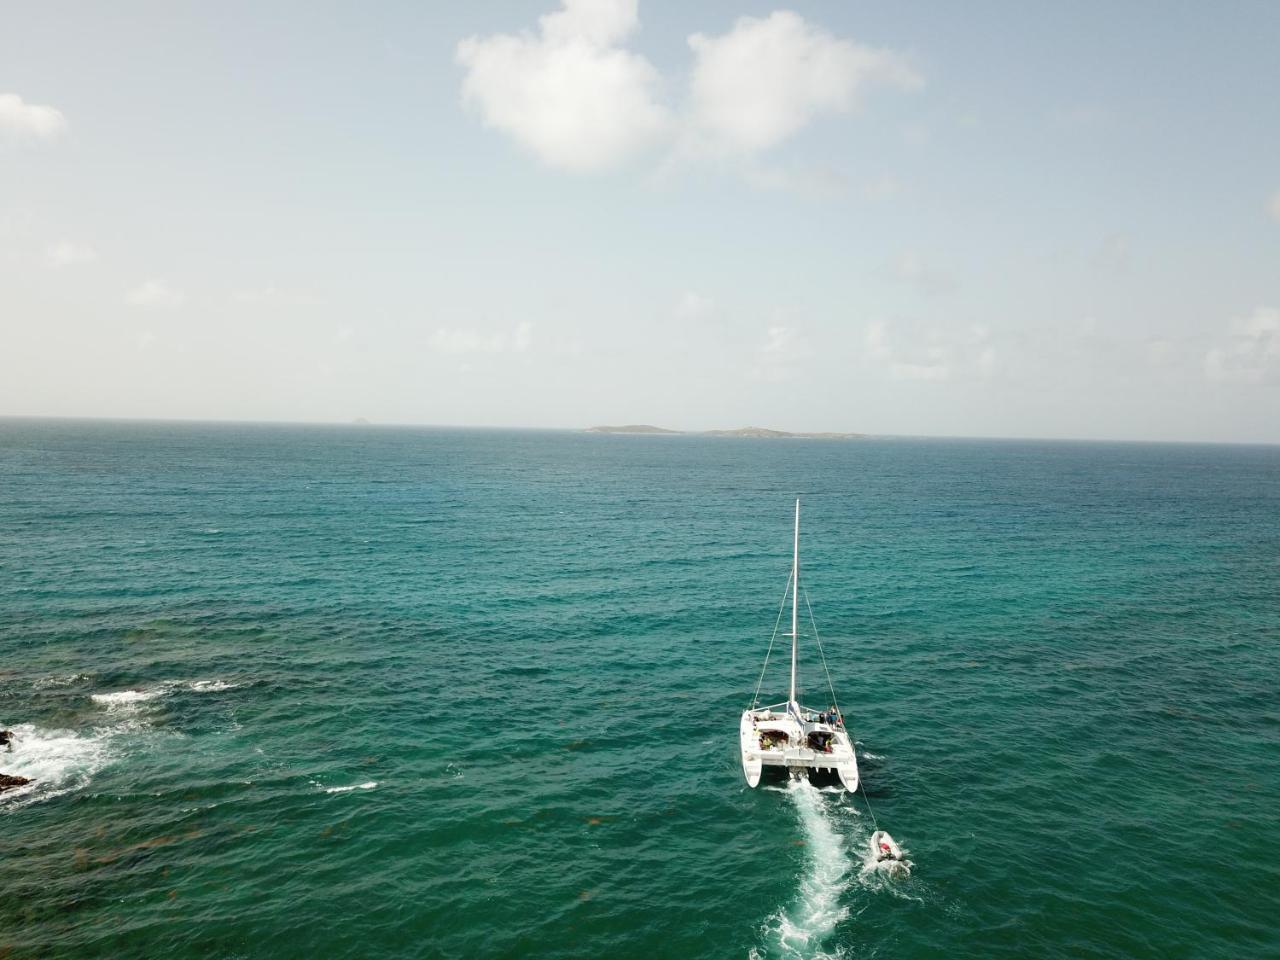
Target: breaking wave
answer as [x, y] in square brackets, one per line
[211, 686]
[56, 761]
[368, 785]
[125, 699]
[65, 680]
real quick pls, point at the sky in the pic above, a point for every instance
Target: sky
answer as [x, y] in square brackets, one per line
[982, 219]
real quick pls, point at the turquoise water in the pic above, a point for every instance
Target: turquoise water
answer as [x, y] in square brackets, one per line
[362, 692]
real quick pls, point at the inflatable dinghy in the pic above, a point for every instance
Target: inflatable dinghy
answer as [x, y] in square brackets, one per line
[888, 855]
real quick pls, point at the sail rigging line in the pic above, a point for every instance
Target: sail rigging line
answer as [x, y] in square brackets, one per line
[830, 686]
[836, 703]
[777, 623]
[867, 797]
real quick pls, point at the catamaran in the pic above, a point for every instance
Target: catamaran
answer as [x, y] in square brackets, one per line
[796, 738]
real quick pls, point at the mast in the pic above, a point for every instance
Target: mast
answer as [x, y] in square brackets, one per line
[795, 591]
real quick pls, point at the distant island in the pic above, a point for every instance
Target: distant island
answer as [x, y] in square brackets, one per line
[631, 428]
[754, 433]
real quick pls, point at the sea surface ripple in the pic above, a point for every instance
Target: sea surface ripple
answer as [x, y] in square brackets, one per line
[373, 692]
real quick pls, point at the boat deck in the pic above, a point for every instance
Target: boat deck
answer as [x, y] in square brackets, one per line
[769, 738]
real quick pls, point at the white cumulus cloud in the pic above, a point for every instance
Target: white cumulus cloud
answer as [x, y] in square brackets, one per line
[907, 351]
[272, 294]
[765, 79]
[693, 306]
[570, 94]
[154, 293]
[936, 369]
[820, 181]
[64, 253]
[460, 341]
[779, 341]
[781, 354]
[882, 188]
[574, 95]
[925, 277]
[30, 120]
[1251, 354]
[877, 337]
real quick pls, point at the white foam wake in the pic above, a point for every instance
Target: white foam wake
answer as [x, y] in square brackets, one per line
[368, 785]
[802, 929]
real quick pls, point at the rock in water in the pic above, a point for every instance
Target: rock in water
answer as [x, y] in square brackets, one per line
[8, 783]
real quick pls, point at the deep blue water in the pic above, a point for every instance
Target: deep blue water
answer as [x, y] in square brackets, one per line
[525, 654]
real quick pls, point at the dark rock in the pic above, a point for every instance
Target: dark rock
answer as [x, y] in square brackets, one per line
[6, 737]
[8, 783]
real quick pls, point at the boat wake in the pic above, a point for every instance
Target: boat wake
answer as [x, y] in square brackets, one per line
[803, 928]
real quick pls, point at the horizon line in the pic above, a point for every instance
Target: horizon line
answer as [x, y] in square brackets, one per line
[673, 432]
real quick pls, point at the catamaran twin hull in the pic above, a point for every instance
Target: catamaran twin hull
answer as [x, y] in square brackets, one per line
[796, 740]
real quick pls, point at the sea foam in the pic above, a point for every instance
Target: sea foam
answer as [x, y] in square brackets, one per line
[211, 686]
[802, 929]
[368, 785]
[56, 761]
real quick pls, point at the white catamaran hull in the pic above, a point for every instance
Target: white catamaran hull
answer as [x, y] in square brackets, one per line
[768, 737]
[752, 764]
